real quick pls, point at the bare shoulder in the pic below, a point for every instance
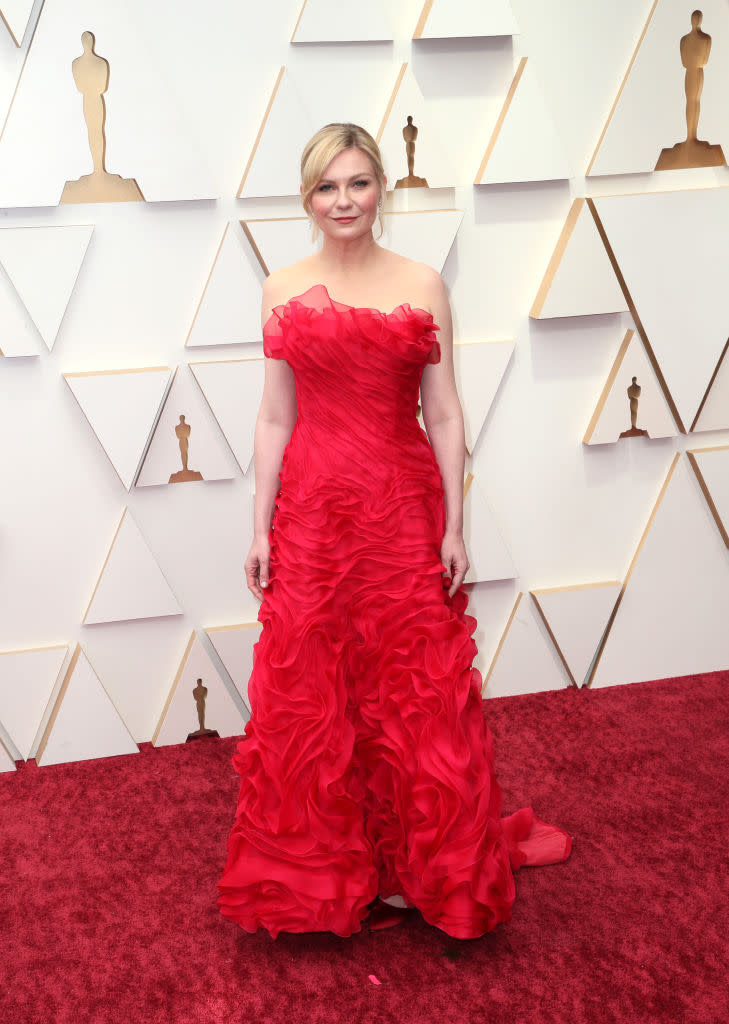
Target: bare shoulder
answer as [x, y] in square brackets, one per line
[281, 285]
[421, 284]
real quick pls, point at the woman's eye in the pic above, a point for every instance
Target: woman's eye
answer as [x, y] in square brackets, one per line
[362, 181]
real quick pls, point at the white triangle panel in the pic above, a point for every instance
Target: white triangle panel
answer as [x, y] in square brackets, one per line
[273, 166]
[19, 335]
[331, 21]
[671, 249]
[207, 452]
[612, 416]
[6, 762]
[479, 369]
[233, 389]
[524, 145]
[229, 312]
[235, 646]
[487, 553]
[423, 235]
[712, 466]
[580, 280]
[432, 158]
[180, 717]
[43, 264]
[449, 19]
[714, 412]
[121, 407]
[671, 620]
[16, 14]
[27, 679]
[131, 584]
[84, 723]
[577, 618]
[649, 113]
[526, 661]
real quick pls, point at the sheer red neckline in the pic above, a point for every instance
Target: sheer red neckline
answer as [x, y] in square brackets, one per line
[360, 309]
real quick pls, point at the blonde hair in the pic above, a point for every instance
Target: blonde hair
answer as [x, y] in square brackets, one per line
[321, 149]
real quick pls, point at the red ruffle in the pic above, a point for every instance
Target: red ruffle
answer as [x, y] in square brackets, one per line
[367, 767]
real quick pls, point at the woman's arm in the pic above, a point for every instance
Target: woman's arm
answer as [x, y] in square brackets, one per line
[443, 418]
[275, 421]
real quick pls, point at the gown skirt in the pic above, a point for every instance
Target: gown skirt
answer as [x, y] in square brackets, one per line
[366, 767]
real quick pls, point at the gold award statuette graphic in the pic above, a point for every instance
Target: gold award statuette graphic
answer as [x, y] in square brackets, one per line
[183, 430]
[695, 49]
[410, 134]
[200, 693]
[91, 75]
[633, 398]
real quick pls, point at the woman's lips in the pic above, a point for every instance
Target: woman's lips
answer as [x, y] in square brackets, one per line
[343, 220]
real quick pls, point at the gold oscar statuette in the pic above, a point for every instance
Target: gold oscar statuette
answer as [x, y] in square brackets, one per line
[200, 694]
[91, 75]
[633, 398]
[410, 134]
[183, 430]
[695, 48]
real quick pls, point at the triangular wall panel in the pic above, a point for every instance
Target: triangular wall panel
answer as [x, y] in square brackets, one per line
[479, 369]
[16, 15]
[488, 556]
[122, 407]
[331, 21]
[525, 660]
[449, 19]
[84, 723]
[19, 336]
[207, 452]
[179, 716]
[612, 416]
[286, 127]
[232, 389]
[711, 466]
[229, 312]
[576, 618]
[579, 280]
[234, 645]
[432, 158]
[671, 616]
[6, 762]
[131, 584]
[524, 145]
[670, 248]
[43, 265]
[27, 679]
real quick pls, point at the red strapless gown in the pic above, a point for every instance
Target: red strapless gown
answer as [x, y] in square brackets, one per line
[366, 767]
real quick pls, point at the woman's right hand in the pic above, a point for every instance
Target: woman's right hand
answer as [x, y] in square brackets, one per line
[257, 566]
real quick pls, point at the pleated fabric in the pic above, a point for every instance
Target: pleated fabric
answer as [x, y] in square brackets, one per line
[366, 766]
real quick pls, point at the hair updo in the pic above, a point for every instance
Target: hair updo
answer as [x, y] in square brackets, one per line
[321, 149]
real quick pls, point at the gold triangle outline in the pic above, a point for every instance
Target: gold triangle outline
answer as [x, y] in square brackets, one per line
[202, 362]
[155, 421]
[694, 463]
[661, 494]
[391, 103]
[636, 317]
[501, 642]
[500, 119]
[207, 284]
[535, 595]
[714, 375]
[257, 141]
[620, 89]
[61, 695]
[25, 61]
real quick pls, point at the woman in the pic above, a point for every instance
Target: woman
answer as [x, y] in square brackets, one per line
[367, 769]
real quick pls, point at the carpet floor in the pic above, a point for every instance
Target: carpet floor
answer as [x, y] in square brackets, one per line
[109, 871]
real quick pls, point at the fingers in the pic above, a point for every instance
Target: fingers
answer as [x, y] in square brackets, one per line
[257, 576]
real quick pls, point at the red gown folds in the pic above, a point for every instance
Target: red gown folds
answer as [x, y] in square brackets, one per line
[366, 766]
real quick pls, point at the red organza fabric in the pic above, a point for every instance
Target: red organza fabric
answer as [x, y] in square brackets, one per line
[366, 766]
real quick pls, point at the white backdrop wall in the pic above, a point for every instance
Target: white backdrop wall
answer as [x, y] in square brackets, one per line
[189, 86]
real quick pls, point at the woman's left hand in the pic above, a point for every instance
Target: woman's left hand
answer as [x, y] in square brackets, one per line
[453, 557]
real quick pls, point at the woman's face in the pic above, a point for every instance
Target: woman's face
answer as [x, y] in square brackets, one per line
[344, 201]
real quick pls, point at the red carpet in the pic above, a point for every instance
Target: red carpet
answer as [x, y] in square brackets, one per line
[107, 893]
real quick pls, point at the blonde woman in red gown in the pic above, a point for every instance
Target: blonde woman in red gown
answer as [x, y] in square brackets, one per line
[366, 768]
